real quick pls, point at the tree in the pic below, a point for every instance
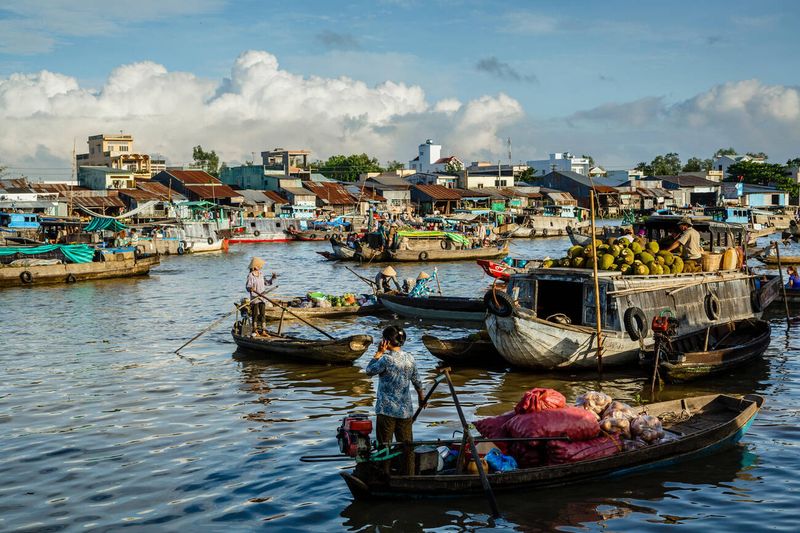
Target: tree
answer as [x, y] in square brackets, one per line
[695, 164]
[763, 174]
[666, 165]
[758, 155]
[394, 165]
[590, 158]
[453, 166]
[724, 151]
[793, 162]
[526, 175]
[644, 168]
[348, 167]
[209, 160]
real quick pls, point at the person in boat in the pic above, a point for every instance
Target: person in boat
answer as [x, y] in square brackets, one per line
[134, 240]
[393, 238]
[481, 233]
[385, 278]
[794, 279]
[690, 239]
[257, 283]
[627, 233]
[421, 289]
[396, 370]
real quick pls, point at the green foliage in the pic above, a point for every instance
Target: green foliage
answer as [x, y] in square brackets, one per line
[453, 166]
[758, 155]
[209, 160]
[725, 151]
[666, 165]
[793, 162]
[394, 165]
[348, 167]
[763, 174]
[695, 164]
[526, 175]
[590, 158]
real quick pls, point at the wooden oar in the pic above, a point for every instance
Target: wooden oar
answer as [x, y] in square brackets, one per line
[298, 317]
[216, 323]
[362, 278]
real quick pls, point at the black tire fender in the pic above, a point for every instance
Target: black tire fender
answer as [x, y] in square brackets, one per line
[26, 277]
[544, 232]
[181, 249]
[256, 233]
[635, 323]
[312, 236]
[443, 244]
[70, 278]
[711, 304]
[423, 256]
[210, 240]
[499, 303]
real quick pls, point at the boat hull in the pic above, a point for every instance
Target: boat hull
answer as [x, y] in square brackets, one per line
[435, 307]
[713, 423]
[274, 313]
[463, 351]
[333, 351]
[70, 272]
[448, 255]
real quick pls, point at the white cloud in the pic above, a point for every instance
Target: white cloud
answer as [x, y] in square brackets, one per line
[258, 106]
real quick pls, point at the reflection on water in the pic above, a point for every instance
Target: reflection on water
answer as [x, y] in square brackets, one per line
[105, 427]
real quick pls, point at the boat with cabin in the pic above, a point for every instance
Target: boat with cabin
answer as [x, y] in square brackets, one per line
[547, 318]
[759, 223]
[257, 230]
[551, 221]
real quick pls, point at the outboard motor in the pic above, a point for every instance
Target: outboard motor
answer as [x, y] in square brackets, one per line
[354, 435]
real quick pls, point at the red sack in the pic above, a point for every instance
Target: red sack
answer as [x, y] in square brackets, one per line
[525, 455]
[560, 451]
[539, 400]
[573, 422]
[492, 428]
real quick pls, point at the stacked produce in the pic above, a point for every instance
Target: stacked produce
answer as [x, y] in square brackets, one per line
[596, 427]
[640, 257]
[319, 299]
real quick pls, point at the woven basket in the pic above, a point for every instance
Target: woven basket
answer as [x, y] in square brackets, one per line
[711, 261]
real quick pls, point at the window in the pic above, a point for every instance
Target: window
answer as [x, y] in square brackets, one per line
[776, 199]
[480, 185]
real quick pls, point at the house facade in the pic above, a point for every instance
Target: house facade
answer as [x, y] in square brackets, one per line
[115, 151]
[429, 159]
[560, 162]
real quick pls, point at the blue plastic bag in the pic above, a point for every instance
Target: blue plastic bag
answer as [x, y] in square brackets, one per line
[498, 462]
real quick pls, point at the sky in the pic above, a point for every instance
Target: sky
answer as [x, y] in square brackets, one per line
[622, 81]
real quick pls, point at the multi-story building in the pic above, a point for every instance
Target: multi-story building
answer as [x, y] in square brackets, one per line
[291, 162]
[429, 159]
[560, 162]
[115, 151]
[722, 162]
[103, 178]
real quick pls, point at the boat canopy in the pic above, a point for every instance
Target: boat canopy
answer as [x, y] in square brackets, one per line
[100, 224]
[77, 253]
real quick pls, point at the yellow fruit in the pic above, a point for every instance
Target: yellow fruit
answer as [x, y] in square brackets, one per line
[646, 258]
[575, 251]
[668, 257]
[660, 260]
[642, 270]
[615, 250]
[547, 263]
[636, 248]
[677, 265]
[606, 260]
[652, 247]
[579, 262]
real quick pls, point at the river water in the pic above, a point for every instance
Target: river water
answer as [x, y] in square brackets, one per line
[104, 427]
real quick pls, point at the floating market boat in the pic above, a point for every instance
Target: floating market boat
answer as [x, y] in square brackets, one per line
[447, 254]
[772, 259]
[59, 263]
[336, 351]
[717, 349]
[435, 307]
[474, 349]
[503, 271]
[552, 222]
[584, 238]
[700, 427]
[547, 317]
[257, 230]
[275, 313]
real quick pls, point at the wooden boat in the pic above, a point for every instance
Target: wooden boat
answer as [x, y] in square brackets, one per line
[274, 313]
[702, 426]
[311, 234]
[503, 271]
[341, 251]
[722, 348]
[475, 349]
[554, 221]
[435, 307]
[257, 230]
[121, 265]
[772, 259]
[337, 351]
[485, 252]
[583, 238]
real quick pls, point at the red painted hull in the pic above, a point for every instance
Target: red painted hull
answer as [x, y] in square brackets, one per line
[494, 269]
[256, 240]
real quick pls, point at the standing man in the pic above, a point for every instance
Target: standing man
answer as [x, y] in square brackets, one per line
[690, 239]
[396, 370]
[385, 278]
[257, 284]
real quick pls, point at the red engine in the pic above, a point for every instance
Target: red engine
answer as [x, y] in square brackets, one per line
[354, 435]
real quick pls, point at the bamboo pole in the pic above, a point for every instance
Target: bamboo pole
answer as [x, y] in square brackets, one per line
[596, 289]
[298, 317]
[783, 287]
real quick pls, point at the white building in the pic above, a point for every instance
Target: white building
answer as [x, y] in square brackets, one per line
[563, 161]
[722, 162]
[430, 160]
[624, 175]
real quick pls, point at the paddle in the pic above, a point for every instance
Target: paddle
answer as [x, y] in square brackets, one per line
[362, 278]
[298, 317]
[216, 322]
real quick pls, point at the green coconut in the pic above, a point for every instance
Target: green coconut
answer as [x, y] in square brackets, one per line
[642, 270]
[547, 263]
[564, 262]
[615, 250]
[635, 247]
[627, 256]
[605, 261]
[652, 247]
[655, 269]
[660, 260]
[575, 251]
[677, 265]
[668, 257]
[625, 268]
[646, 258]
[579, 262]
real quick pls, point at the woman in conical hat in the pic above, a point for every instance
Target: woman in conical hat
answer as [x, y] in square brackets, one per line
[423, 275]
[385, 278]
[255, 285]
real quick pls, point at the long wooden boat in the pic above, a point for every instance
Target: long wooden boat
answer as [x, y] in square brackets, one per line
[336, 351]
[311, 234]
[584, 237]
[485, 252]
[341, 251]
[274, 313]
[719, 349]
[435, 307]
[772, 260]
[475, 349]
[502, 271]
[116, 266]
[702, 426]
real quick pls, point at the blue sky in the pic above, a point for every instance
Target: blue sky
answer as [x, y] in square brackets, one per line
[623, 81]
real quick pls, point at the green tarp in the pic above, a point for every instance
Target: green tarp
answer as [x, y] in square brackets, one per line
[77, 253]
[455, 237]
[100, 224]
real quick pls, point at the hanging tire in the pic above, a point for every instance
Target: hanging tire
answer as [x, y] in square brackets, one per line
[312, 236]
[635, 323]
[210, 240]
[498, 303]
[444, 244]
[70, 278]
[711, 305]
[423, 256]
[256, 233]
[26, 277]
[181, 249]
[755, 302]
[544, 232]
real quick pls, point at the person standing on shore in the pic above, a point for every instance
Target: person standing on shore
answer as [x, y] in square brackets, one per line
[396, 370]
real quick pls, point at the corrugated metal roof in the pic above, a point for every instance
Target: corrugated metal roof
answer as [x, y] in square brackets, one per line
[332, 193]
[298, 191]
[438, 192]
[98, 201]
[275, 197]
[140, 195]
[605, 189]
[212, 191]
[193, 177]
